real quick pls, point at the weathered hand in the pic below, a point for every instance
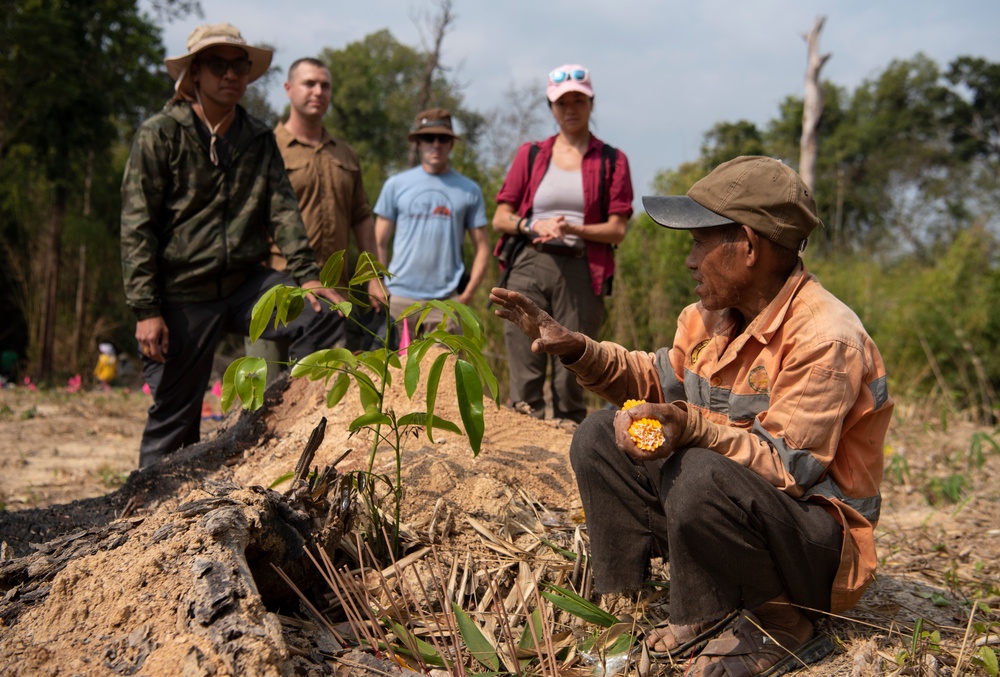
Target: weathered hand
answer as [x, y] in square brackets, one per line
[376, 295]
[154, 338]
[548, 336]
[318, 289]
[672, 418]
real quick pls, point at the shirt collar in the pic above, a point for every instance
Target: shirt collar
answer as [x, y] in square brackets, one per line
[285, 138]
[771, 318]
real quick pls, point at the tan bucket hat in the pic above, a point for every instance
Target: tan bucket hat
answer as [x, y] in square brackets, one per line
[210, 35]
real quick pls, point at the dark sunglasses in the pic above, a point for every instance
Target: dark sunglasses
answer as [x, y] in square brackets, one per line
[218, 66]
[431, 138]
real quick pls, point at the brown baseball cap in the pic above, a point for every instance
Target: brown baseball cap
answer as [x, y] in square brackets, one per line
[432, 121]
[760, 192]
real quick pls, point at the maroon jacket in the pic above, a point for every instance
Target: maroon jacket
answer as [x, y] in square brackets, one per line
[519, 193]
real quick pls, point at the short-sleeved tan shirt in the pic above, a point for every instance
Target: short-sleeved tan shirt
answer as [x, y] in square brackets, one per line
[328, 183]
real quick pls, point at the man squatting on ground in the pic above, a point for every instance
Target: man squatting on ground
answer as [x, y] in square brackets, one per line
[774, 407]
[204, 188]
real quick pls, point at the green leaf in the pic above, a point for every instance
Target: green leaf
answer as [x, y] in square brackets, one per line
[261, 313]
[367, 392]
[370, 418]
[368, 268]
[433, 379]
[470, 403]
[414, 354]
[334, 268]
[323, 363]
[475, 641]
[416, 647]
[573, 604]
[290, 308]
[246, 378]
[420, 418]
[281, 479]
[986, 658]
[337, 391]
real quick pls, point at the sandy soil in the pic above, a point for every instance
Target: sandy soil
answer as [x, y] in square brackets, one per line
[938, 554]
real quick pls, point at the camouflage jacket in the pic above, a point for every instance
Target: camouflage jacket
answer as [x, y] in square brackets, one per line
[191, 231]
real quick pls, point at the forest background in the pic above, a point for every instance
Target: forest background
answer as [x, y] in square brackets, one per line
[907, 180]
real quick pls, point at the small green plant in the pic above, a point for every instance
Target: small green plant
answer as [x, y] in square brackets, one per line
[6, 412]
[977, 449]
[111, 478]
[28, 414]
[949, 490]
[371, 374]
[898, 469]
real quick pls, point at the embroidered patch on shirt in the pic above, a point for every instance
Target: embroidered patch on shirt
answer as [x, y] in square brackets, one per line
[758, 380]
[696, 353]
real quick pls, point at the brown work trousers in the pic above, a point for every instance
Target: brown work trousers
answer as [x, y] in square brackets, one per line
[559, 285]
[733, 541]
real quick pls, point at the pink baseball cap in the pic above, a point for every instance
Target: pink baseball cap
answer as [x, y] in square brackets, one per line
[571, 77]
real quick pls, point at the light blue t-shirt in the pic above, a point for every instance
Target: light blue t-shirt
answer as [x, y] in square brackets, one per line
[431, 213]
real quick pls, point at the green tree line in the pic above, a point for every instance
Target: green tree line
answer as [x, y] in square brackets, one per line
[907, 185]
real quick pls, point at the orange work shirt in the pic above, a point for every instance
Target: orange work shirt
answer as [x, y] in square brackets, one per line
[799, 397]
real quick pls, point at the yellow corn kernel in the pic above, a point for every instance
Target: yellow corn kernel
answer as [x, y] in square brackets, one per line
[647, 433]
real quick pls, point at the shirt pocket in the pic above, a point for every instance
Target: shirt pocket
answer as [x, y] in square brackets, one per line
[819, 410]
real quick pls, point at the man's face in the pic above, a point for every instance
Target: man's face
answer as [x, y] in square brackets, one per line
[221, 74]
[715, 267]
[435, 149]
[308, 91]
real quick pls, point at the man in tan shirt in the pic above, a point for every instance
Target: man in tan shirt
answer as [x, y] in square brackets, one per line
[324, 171]
[326, 175]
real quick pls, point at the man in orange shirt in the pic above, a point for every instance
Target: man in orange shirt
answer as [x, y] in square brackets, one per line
[773, 404]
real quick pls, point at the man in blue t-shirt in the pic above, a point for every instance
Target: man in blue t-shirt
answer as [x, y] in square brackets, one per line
[429, 209]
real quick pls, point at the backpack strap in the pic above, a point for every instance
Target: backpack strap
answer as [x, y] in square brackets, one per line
[532, 154]
[609, 158]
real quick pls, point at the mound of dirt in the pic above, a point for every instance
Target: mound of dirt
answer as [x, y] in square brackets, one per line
[133, 600]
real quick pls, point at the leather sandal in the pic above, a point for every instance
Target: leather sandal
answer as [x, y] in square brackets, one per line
[745, 650]
[687, 639]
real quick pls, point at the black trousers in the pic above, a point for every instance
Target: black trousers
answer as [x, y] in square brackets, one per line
[733, 541]
[178, 387]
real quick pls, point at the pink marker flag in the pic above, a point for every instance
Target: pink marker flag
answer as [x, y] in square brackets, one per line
[404, 339]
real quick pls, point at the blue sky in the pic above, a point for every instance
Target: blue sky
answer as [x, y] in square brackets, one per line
[664, 72]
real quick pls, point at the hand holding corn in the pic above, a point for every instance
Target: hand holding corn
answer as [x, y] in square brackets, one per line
[647, 433]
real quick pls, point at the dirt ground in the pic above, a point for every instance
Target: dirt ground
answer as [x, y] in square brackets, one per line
[939, 538]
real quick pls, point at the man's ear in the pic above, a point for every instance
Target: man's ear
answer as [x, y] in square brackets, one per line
[753, 245]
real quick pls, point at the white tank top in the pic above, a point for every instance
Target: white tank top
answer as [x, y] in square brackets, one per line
[560, 194]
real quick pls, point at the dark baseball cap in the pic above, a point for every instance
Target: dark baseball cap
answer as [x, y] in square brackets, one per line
[760, 192]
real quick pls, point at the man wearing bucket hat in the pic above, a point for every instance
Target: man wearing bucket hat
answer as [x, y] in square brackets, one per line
[203, 191]
[764, 491]
[425, 212]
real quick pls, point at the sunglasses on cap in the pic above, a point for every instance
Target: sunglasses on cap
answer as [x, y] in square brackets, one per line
[218, 66]
[578, 74]
[431, 138]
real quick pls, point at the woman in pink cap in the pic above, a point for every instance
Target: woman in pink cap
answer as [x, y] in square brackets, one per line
[568, 200]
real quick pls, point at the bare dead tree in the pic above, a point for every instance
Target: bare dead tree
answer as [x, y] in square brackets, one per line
[812, 104]
[432, 31]
[507, 126]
